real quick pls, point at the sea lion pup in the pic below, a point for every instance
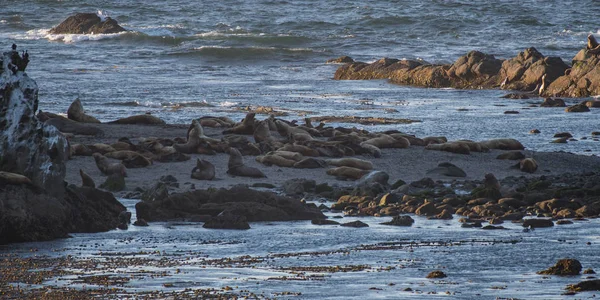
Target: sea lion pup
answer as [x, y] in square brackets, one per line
[452, 147]
[351, 162]
[76, 113]
[145, 119]
[108, 168]
[245, 127]
[372, 150]
[13, 179]
[304, 150]
[528, 165]
[122, 154]
[503, 144]
[204, 170]
[310, 163]
[236, 166]
[347, 173]
[272, 159]
[86, 180]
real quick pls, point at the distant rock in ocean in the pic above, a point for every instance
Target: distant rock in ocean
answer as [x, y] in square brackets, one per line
[36, 203]
[87, 23]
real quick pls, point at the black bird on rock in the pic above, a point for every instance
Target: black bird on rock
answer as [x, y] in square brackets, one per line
[14, 47]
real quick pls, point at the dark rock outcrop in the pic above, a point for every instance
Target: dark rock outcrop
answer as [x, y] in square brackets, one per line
[87, 23]
[400, 221]
[35, 205]
[588, 285]
[567, 266]
[239, 200]
[27, 146]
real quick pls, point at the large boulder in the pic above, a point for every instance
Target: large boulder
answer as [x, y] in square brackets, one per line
[87, 23]
[35, 205]
[583, 79]
[567, 266]
[524, 72]
[239, 200]
[28, 147]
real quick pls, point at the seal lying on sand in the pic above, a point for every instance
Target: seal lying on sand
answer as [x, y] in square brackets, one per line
[76, 113]
[236, 166]
[140, 119]
[86, 180]
[108, 168]
[204, 170]
[347, 173]
[13, 178]
[351, 162]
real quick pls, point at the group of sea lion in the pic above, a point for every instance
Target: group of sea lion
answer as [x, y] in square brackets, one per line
[296, 146]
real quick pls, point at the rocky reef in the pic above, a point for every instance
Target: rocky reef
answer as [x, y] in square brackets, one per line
[35, 203]
[529, 71]
[216, 206]
[87, 23]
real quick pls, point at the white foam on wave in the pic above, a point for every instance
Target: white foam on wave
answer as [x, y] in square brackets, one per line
[211, 47]
[37, 34]
[228, 104]
[102, 14]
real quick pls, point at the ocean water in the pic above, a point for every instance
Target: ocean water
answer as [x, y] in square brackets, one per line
[187, 59]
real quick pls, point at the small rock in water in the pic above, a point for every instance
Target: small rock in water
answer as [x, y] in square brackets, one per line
[567, 266]
[436, 274]
[355, 224]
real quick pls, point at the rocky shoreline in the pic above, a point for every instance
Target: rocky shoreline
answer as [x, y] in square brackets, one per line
[228, 173]
[530, 72]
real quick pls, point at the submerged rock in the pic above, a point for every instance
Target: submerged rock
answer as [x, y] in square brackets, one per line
[87, 23]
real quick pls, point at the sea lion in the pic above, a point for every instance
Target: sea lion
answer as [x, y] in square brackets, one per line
[236, 166]
[145, 119]
[108, 168]
[123, 146]
[80, 150]
[386, 141]
[373, 150]
[245, 127]
[86, 180]
[434, 140]
[452, 147]
[137, 161]
[528, 165]
[414, 141]
[262, 132]
[13, 178]
[304, 150]
[351, 162]
[195, 134]
[592, 45]
[101, 148]
[65, 125]
[76, 113]
[347, 173]
[272, 159]
[288, 155]
[503, 144]
[121, 155]
[310, 163]
[204, 170]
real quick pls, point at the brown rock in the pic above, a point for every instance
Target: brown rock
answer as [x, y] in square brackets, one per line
[567, 266]
[436, 274]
